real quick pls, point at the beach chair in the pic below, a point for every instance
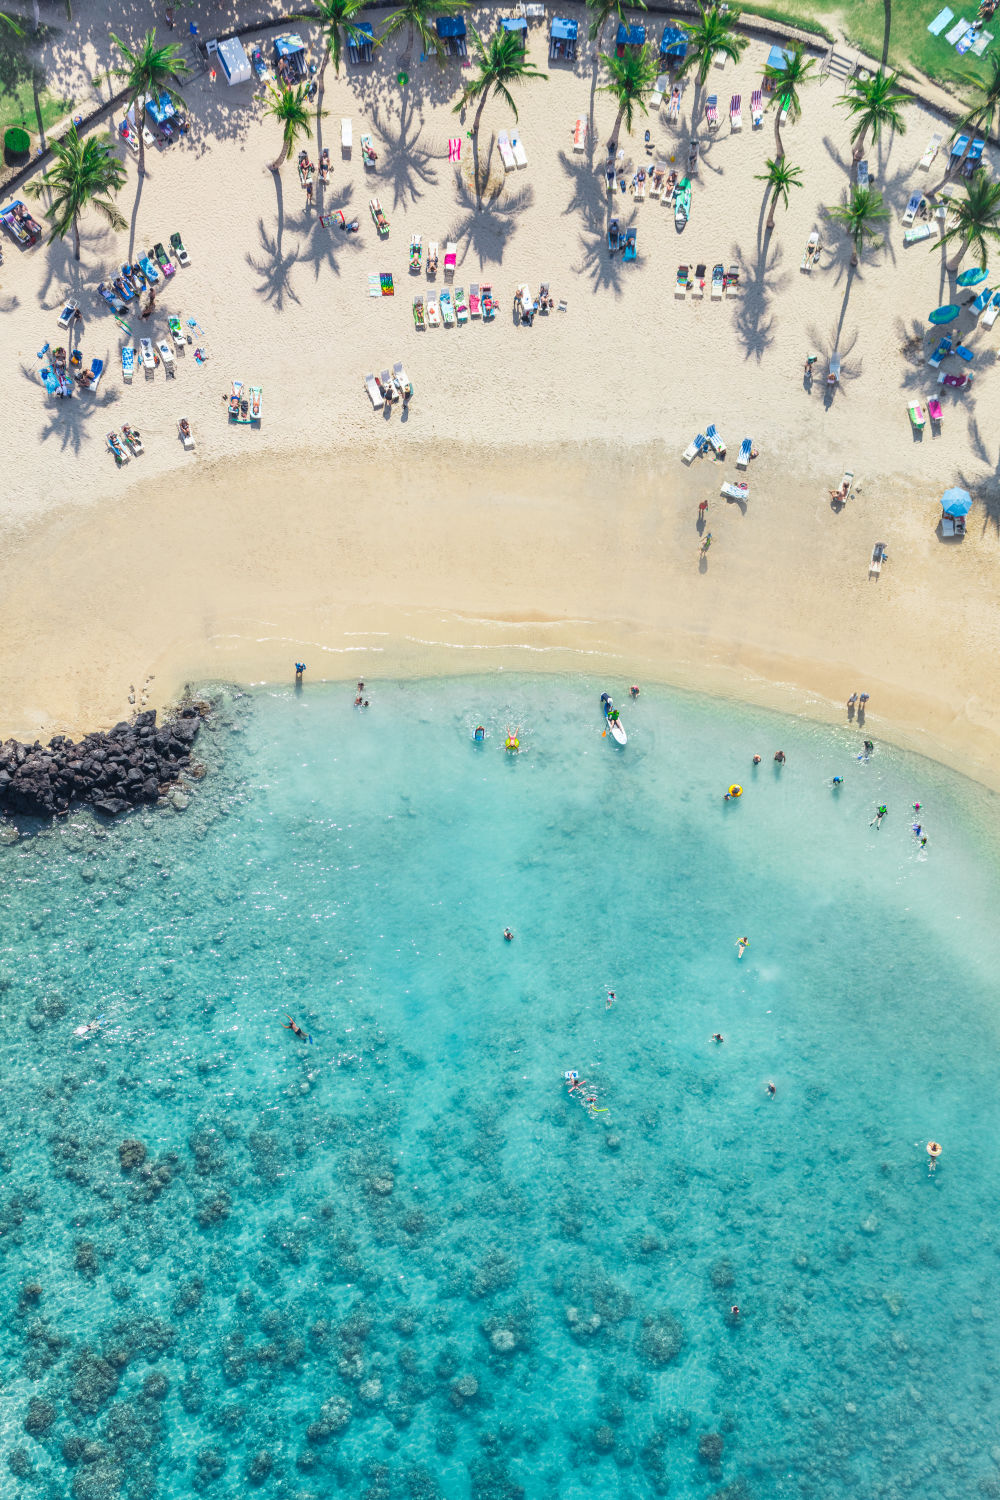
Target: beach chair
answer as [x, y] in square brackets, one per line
[176, 332]
[745, 454]
[917, 418]
[712, 433]
[489, 306]
[461, 306]
[736, 112]
[738, 491]
[187, 436]
[402, 381]
[913, 207]
[418, 312]
[368, 152]
[956, 382]
[990, 315]
[698, 288]
[346, 136]
[128, 361]
[712, 111]
[661, 86]
[940, 351]
[68, 313]
[474, 305]
[114, 443]
[629, 253]
[833, 375]
[447, 310]
[875, 565]
[718, 281]
[811, 253]
[980, 303]
[132, 437]
[129, 137]
[934, 410]
[639, 191]
[506, 154]
[732, 280]
[862, 174]
[150, 272]
[161, 259]
[432, 257]
[580, 135]
[674, 107]
[416, 252]
[757, 109]
[375, 395]
[916, 234]
[378, 217]
[614, 236]
[177, 246]
[933, 147]
[947, 525]
[697, 445]
[167, 356]
[450, 258]
[517, 147]
[683, 281]
[433, 316]
[96, 371]
[146, 354]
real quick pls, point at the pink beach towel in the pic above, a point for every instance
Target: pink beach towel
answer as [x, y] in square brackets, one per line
[455, 149]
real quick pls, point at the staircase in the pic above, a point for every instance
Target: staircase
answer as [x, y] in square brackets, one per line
[838, 64]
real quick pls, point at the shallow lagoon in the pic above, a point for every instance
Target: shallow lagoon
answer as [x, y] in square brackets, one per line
[400, 1261]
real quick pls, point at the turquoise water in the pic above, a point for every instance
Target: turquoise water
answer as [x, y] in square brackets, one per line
[401, 1261]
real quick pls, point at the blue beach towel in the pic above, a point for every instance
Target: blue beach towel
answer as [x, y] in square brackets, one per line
[940, 21]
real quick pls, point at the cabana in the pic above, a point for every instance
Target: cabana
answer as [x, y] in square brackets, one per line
[562, 38]
[235, 63]
[674, 42]
[514, 23]
[290, 56]
[361, 44]
[451, 30]
[629, 36]
[777, 58]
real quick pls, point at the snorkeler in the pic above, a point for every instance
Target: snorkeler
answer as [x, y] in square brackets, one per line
[508, 935]
[881, 811]
[916, 807]
[734, 1313]
[742, 945]
[611, 999]
[480, 733]
[838, 781]
[295, 1028]
[717, 1036]
[771, 1090]
[90, 1028]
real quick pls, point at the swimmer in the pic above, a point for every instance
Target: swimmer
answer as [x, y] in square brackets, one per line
[480, 733]
[508, 935]
[916, 807]
[917, 829]
[923, 841]
[611, 999]
[742, 944]
[634, 691]
[89, 1029]
[881, 811]
[361, 686]
[838, 781]
[717, 1036]
[756, 760]
[358, 701]
[734, 1312]
[296, 1029]
[771, 1090]
[779, 756]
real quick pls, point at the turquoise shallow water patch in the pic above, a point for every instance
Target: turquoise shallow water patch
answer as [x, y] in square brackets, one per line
[401, 1260]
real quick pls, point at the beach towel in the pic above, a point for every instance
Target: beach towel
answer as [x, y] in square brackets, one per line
[940, 21]
[965, 42]
[455, 149]
[979, 47]
[959, 29]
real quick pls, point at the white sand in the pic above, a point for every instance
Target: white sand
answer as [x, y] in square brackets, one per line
[532, 508]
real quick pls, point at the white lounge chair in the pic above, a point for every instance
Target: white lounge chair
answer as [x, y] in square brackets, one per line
[913, 208]
[738, 491]
[401, 380]
[696, 446]
[371, 386]
[875, 565]
[167, 355]
[68, 313]
[506, 154]
[712, 433]
[450, 259]
[431, 264]
[933, 147]
[811, 252]
[520, 155]
[146, 354]
[916, 234]
[433, 313]
[662, 85]
[580, 135]
[833, 377]
[990, 315]
[184, 428]
[346, 135]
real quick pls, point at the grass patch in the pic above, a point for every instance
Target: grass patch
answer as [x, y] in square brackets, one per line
[791, 15]
[24, 99]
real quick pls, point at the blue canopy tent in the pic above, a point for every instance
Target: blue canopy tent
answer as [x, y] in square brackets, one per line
[673, 42]
[562, 37]
[777, 58]
[361, 46]
[290, 55]
[630, 36]
[451, 30]
[161, 108]
[513, 23]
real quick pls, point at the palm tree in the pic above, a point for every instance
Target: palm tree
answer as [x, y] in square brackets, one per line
[980, 116]
[82, 173]
[603, 11]
[780, 176]
[291, 107]
[787, 81]
[419, 16]
[875, 104]
[632, 76]
[977, 220]
[336, 18]
[499, 62]
[859, 215]
[149, 70]
[713, 36]
[9, 21]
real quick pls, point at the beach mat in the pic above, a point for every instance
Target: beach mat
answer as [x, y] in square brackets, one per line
[940, 21]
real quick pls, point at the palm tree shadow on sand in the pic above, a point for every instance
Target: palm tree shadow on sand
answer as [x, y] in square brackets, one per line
[985, 492]
[753, 320]
[274, 268]
[406, 164]
[488, 228]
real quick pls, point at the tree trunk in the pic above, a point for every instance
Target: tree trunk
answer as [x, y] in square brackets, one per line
[140, 126]
[779, 149]
[854, 256]
[617, 131]
[774, 204]
[885, 34]
[76, 236]
[276, 164]
[475, 151]
[859, 145]
[958, 165]
[953, 265]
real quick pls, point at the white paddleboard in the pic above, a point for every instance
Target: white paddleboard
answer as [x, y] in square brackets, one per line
[616, 729]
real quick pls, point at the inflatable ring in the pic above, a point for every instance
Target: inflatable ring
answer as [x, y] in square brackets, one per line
[933, 1149]
[511, 743]
[735, 791]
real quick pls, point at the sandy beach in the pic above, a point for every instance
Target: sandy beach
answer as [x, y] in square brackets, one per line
[531, 510]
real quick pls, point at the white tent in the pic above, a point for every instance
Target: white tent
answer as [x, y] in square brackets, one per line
[235, 63]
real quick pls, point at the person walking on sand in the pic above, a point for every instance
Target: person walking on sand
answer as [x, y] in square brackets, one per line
[300, 667]
[706, 544]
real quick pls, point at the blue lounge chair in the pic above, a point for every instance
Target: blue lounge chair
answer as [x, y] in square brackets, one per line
[940, 351]
[712, 433]
[746, 451]
[150, 272]
[128, 361]
[614, 236]
[97, 370]
[697, 445]
[630, 239]
[981, 301]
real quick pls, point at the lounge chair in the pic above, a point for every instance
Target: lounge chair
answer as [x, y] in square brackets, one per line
[150, 272]
[833, 375]
[614, 236]
[184, 428]
[947, 525]
[418, 312]
[114, 443]
[68, 313]
[177, 332]
[697, 445]
[475, 308]
[506, 154]
[683, 281]
[916, 234]
[416, 252]
[732, 280]
[917, 418]
[757, 109]
[374, 393]
[715, 439]
[162, 259]
[128, 362]
[177, 246]
[520, 155]
[447, 310]
[940, 351]
[132, 437]
[450, 258]
[378, 217]
[129, 137]
[956, 382]
[745, 454]
[580, 135]
[146, 354]
[401, 381]
[934, 410]
[639, 191]
[933, 146]
[738, 491]
[875, 565]
[656, 97]
[990, 315]
[346, 136]
[490, 308]
[811, 253]
[629, 253]
[433, 315]
[698, 289]
[674, 107]
[736, 112]
[432, 257]
[862, 174]
[712, 111]
[167, 355]
[980, 303]
[368, 155]
[461, 306]
[96, 371]
[913, 207]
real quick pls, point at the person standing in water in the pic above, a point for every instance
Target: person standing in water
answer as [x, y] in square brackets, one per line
[300, 667]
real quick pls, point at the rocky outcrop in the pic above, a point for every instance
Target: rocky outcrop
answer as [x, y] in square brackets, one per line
[132, 764]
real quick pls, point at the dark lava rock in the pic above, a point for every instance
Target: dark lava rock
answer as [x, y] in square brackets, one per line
[39, 1417]
[131, 1154]
[660, 1339]
[710, 1448]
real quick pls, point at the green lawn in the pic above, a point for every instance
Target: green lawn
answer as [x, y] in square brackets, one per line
[23, 95]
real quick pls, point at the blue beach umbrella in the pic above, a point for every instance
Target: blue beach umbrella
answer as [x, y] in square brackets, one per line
[956, 502]
[944, 314]
[972, 277]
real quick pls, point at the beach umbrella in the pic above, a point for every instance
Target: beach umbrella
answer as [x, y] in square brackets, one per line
[972, 277]
[944, 314]
[956, 502]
